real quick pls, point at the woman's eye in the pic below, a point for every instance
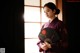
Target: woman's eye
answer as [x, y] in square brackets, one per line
[47, 10]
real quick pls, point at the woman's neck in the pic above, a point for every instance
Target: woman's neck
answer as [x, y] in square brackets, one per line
[51, 19]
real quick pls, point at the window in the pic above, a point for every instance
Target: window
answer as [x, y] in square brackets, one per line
[34, 18]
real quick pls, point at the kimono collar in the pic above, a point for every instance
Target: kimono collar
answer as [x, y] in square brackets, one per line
[54, 20]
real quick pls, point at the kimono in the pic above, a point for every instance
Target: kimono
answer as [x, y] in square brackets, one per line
[62, 44]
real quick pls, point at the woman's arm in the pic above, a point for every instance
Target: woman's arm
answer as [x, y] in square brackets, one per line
[64, 35]
[40, 49]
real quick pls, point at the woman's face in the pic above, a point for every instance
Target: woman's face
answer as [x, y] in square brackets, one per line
[49, 13]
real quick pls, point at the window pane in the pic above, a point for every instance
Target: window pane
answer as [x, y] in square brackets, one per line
[43, 23]
[32, 30]
[31, 14]
[31, 46]
[44, 18]
[32, 2]
[45, 1]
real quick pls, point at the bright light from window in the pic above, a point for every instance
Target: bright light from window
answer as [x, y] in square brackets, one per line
[31, 14]
[32, 2]
[32, 30]
[46, 1]
[31, 46]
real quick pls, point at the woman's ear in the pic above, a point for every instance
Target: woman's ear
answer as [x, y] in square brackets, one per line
[54, 11]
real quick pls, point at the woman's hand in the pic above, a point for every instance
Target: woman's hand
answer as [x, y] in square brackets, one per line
[45, 46]
[48, 45]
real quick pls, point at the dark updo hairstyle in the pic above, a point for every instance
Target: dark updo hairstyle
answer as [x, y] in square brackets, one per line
[52, 6]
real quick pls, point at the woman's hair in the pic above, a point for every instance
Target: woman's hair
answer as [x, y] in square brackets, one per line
[52, 6]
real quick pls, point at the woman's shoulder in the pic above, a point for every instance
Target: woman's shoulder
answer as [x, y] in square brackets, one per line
[57, 21]
[60, 23]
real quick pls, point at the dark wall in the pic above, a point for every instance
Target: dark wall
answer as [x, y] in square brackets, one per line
[71, 15]
[72, 0]
[12, 26]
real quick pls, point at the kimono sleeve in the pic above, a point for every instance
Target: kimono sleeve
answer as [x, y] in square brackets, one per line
[64, 34]
[40, 50]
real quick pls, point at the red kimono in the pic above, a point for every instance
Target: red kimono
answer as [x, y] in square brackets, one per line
[62, 45]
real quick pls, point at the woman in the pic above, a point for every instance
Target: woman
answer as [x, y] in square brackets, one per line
[51, 11]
